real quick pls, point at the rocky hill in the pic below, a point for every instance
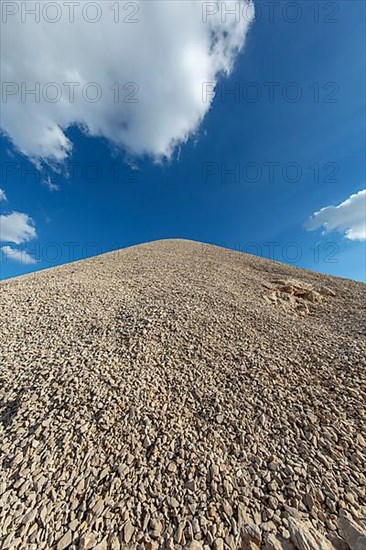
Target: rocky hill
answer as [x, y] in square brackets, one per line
[179, 395]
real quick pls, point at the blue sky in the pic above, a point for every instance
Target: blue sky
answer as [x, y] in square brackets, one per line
[249, 177]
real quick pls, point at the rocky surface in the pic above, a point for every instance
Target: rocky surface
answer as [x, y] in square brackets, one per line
[179, 395]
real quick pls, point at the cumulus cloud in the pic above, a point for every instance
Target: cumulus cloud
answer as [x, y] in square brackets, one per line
[18, 255]
[16, 228]
[149, 74]
[348, 217]
[2, 195]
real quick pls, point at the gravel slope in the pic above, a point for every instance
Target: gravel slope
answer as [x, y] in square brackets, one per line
[167, 395]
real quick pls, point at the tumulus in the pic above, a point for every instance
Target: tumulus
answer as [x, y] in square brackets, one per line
[180, 395]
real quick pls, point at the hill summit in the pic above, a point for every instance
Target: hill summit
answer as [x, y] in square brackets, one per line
[181, 395]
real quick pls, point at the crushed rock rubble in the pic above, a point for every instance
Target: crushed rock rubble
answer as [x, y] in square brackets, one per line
[182, 396]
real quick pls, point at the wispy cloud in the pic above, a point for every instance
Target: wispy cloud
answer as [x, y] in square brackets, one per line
[2, 195]
[51, 185]
[348, 217]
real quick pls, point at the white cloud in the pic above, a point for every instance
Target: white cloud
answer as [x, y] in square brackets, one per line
[51, 185]
[16, 228]
[348, 217]
[18, 255]
[2, 195]
[169, 53]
